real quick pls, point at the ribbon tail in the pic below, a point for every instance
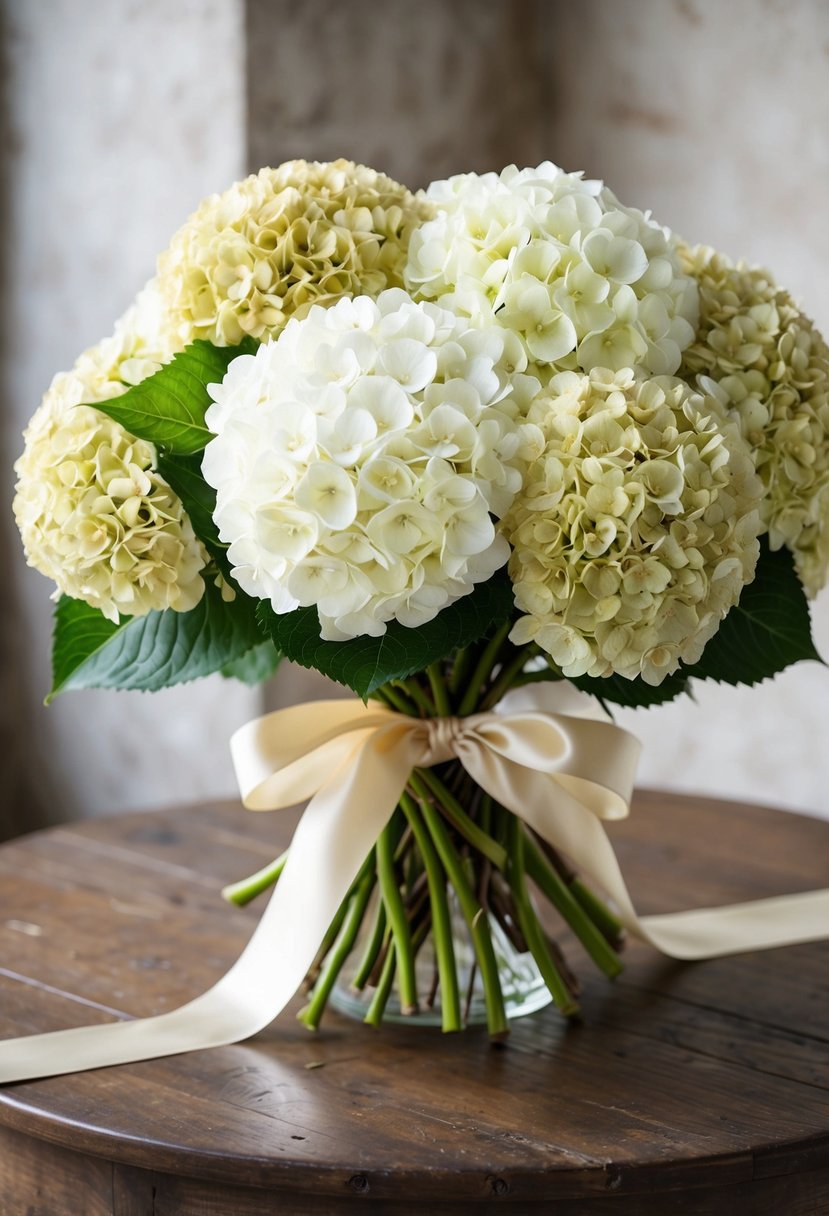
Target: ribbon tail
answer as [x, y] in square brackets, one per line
[337, 831]
[761, 924]
[566, 824]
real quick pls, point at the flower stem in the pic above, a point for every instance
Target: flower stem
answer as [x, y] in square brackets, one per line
[313, 1011]
[397, 699]
[469, 702]
[561, 897]
[413, 690]
[440, 694]
[461, 668]
[531, 928]
[396, 913]
[608, 925]
[507, 676]
[246, 889]
[374, 1015]
[373, 947]
[425, 782]
[441, 919]
[475, 918]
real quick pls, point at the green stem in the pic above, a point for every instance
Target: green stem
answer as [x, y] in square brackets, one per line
[441, 919]
[507, 675]
[313, 1011]
[333, 930]
[246, 889]
[396, 914]
[536, 677]
[373, 947]
[608, 925]
[396, 699]
[461, 669]
[425, 782]
[530, 927]
[374, 1015]
[412, 689]
[440, 694]
[475, 918]
[484, 666]
[561, 897]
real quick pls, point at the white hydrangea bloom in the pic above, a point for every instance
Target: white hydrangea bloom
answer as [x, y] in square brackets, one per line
[635, 530]
[94, 515]
[585, 281]
[359, 458]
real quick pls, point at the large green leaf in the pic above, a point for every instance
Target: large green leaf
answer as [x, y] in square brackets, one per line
[768, 630]
[364, 664]
[184, 475]
[153, 651]
[257, 665]
[168, 408]
[633, 694]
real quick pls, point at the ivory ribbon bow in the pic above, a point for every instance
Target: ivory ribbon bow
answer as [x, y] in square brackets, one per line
[563, 775]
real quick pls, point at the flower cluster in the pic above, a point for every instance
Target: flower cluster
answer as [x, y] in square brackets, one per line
[359, 458]
[585, 281]
[635, 531]
[94, 515]
[282, 240]
[768, 364]
[447, 383]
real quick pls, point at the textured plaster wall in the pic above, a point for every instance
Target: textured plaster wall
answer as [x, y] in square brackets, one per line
[714, 115]
[122, 115]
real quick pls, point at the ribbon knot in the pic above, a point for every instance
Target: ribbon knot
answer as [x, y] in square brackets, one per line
[442, 738]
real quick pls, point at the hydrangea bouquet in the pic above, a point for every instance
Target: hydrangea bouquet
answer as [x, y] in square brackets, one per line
[438, 446]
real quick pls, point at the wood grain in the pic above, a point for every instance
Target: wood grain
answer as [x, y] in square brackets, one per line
[703, 1084]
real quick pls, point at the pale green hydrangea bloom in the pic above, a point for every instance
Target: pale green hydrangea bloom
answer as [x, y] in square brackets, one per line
[94, 515]
[769, 366]
[635, 530]
[282, 240]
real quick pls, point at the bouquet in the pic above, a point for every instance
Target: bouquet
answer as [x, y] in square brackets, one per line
[504, 434]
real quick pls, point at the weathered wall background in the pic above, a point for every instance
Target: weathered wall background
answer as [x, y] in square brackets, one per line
[120, 114]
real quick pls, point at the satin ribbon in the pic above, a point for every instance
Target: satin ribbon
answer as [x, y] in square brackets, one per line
[564, 775]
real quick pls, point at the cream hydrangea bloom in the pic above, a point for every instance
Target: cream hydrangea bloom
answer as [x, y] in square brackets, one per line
[282, 240]
[768, 364]
[93, 514]
[635, 530]
[358, 460]
[585, 281]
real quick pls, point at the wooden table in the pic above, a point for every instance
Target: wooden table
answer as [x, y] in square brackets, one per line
[689, 1091]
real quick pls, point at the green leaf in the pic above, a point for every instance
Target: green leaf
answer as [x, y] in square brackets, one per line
[633, 694]
[168, 407]
[149, 652]
[768, 630]
[257, 665]
[364, 664]
[183, 474]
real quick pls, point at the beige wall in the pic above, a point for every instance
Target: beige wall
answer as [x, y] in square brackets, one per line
[122, 114]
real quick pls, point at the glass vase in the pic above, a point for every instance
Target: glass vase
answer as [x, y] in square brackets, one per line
[522, 984]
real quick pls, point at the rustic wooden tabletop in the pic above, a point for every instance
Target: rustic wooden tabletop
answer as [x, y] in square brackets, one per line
[690, 1090]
